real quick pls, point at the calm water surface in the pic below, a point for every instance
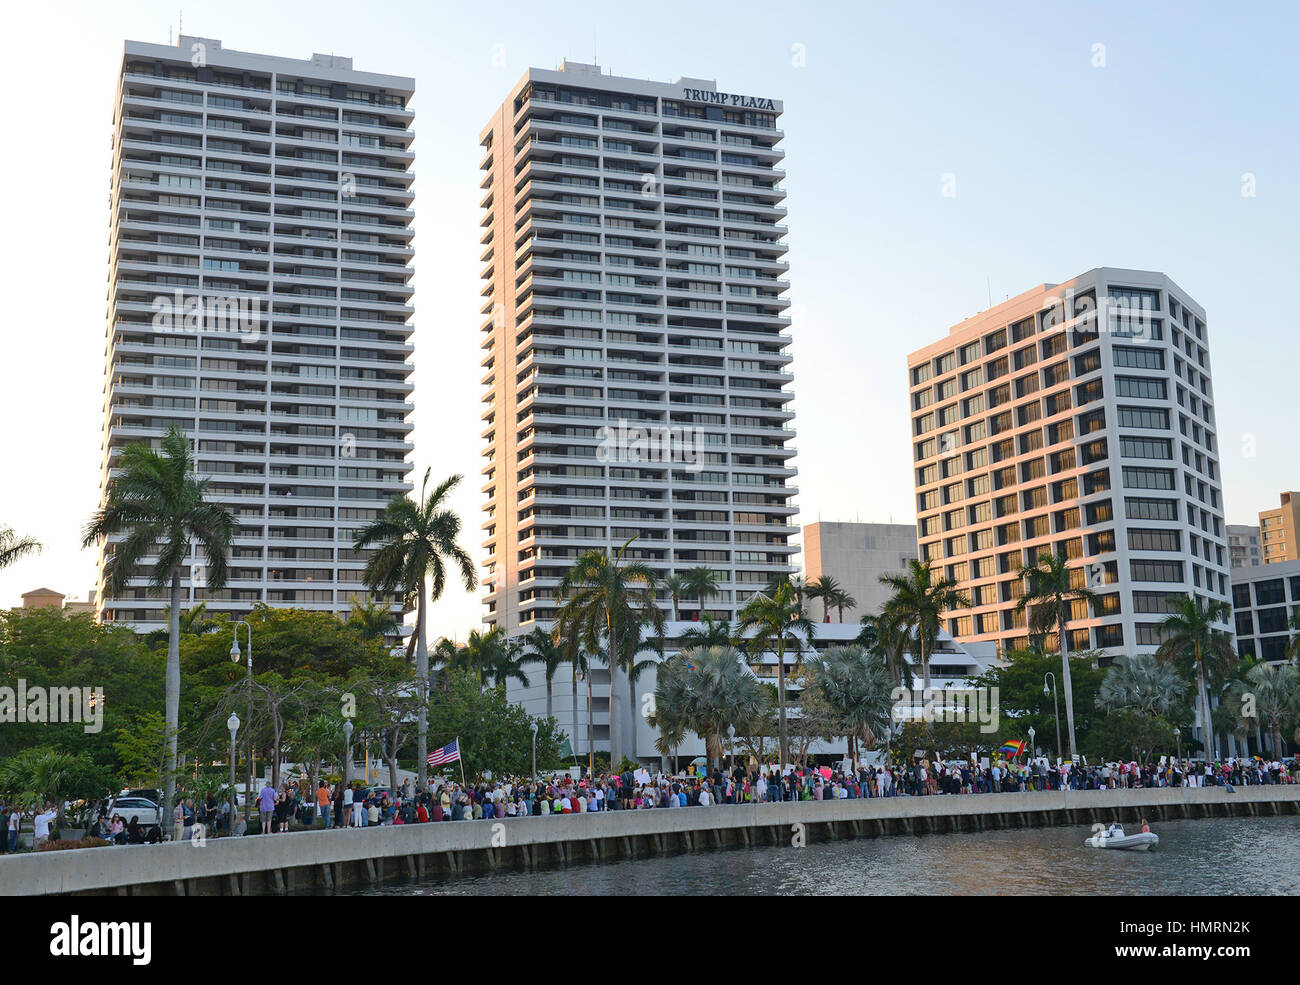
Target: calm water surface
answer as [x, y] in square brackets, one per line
[1219, 856]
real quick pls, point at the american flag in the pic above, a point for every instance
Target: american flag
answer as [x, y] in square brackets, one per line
[447, 754]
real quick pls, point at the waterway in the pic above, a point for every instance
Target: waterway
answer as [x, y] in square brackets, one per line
[1202, 857]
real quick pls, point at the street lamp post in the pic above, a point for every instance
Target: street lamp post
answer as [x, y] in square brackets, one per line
[731, 740]
[232, 723]
[234, 655]
[1056, 709]
[1033, 750]
[534, 749]
[347, 761]
[1178, 740]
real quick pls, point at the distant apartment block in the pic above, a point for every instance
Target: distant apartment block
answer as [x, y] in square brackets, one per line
[259, 296]
[1278, 530]
[1243, 545]
[1076, 418]
[856, 555]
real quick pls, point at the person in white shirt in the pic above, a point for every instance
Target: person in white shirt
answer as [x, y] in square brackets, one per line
[42, 825]
[349, 817]
[705, 798]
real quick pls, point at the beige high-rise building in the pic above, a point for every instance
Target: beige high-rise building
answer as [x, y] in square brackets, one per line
[1278, 530]
[1075, 418]
[636, 355]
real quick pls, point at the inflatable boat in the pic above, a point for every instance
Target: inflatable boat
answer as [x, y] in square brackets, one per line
[1116, 838]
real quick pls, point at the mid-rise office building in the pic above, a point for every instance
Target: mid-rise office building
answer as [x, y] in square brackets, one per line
[260, 297]
[857, 555]
[636, 352]
[1279, 529]
[1243, 545]
[1073, 419]
[1265, 599]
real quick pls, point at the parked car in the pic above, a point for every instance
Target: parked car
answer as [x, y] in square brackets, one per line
[146, 811]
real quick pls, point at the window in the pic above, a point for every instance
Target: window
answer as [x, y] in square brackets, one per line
[1142, 539]
[1166, 571]
[1145, 448]
[1139, 508]
[1140, 387]
[1135, 478]
[1151, 418]
[1269, 592]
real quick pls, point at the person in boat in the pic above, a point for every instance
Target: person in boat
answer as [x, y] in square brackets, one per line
[1146, 828]
[1114, 831]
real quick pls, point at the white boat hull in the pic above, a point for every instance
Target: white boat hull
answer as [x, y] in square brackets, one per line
[1134, 843]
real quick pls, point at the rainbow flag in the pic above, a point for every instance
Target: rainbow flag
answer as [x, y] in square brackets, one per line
[1012, 747]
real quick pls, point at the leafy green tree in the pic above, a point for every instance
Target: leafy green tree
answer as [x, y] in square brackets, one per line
[494, 734]
[1129, 734]
[777, 623]
[415, 544]
[1194, 645]
[675, 587]
[39, 775]
[1269, 698]
[157, 501]
[1024, 700]
[605, 600]
[141, 751]
[1051, 587]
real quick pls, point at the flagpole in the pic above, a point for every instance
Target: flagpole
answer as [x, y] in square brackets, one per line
[460, 758]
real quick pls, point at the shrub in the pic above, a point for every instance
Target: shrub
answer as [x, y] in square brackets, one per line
[63, 844]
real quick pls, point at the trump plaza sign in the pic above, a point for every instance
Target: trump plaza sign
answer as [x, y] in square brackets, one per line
[728, 99]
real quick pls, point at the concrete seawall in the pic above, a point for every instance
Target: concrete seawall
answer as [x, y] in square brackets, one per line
[321, 860]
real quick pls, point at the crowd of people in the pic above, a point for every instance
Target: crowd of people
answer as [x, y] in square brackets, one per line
[357, 805]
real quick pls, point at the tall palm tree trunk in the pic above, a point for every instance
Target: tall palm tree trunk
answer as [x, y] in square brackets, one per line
[172, 700]
[573, 739]
[1203, 697]
[615, 696]
[1062, 639]
[784, 745]
[548, 697]
[925, 659]
[422, 692]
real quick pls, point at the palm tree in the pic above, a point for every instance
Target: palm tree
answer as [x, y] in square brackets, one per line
[494, 657]
[883, 636]
[797, 585]
[919, 597]
[859, 690]
[710, 632]
[842, 600]
[704, 690]
[771, 622]
[417, 543]
[605, 600]
[542, 648]
[1274, 690]
[1049, 593]
[1292, 648]
[1142, 683]
[675, 586]
[1191, 640]
[194, 621]
[160, 505]
[373, 620]
[701, 584]
[13, 547]
[824, 588]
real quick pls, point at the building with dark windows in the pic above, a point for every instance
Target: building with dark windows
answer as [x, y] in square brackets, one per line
[1265, 599]
[1074, 419]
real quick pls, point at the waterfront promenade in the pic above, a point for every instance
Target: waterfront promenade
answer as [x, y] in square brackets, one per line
[323, 860]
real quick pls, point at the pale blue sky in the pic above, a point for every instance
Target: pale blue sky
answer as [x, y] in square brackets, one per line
[1059, 166]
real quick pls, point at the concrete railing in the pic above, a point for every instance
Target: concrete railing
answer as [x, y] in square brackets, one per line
[322, 860]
